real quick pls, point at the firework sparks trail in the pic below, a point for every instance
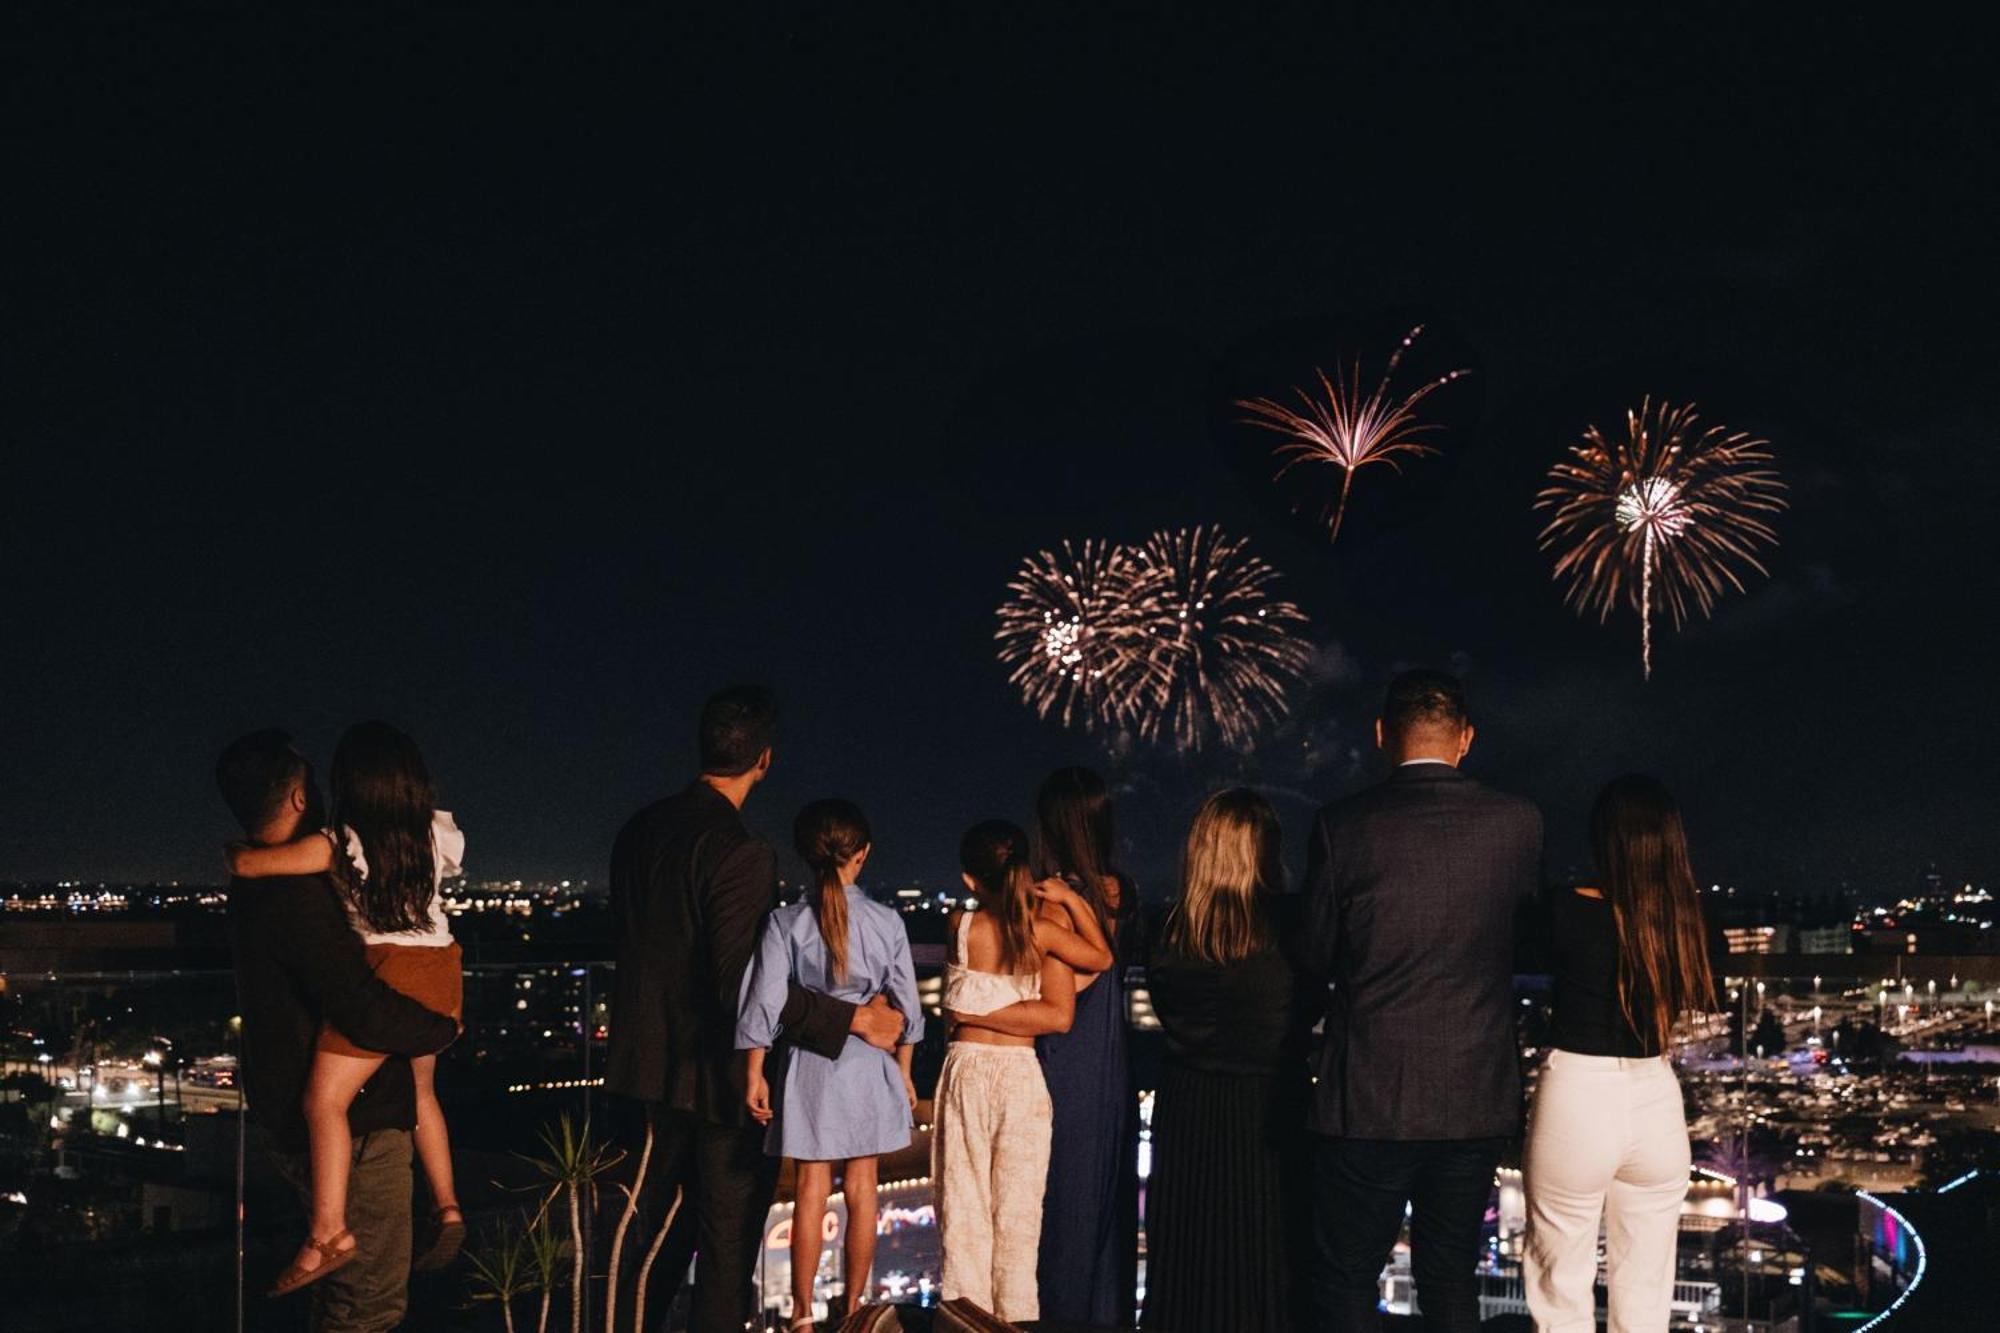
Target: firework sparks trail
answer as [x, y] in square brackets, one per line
[1226, 648]
[1343, 429]
[1076, 635]
[1668, 513]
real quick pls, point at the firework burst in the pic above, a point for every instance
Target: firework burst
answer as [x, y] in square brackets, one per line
[1670, 514]
[1345, 429]
[1226, 649]
[1076, 636]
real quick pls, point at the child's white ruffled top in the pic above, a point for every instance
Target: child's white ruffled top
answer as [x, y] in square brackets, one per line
[447, 856]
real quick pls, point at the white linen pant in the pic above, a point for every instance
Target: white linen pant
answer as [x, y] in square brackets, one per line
[1606, 1139]
[990, 1162]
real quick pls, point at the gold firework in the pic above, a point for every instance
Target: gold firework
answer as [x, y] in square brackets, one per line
[1669, 513]
[1344, 429]
[1225, 646]
[1076, 635]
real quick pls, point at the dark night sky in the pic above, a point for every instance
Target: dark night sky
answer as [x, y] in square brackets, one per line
[522, 382]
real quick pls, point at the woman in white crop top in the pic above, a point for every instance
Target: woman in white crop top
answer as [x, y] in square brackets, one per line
[1016, 974]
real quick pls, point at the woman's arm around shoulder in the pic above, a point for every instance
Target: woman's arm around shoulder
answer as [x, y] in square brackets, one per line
[1071, 949]
[1076, 937]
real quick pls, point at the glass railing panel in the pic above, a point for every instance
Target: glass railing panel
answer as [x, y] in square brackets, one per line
[123, 1153]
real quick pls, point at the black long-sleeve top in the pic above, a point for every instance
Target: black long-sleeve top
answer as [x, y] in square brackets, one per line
[1245, 1018]
[299, 964]
[1588, 1019]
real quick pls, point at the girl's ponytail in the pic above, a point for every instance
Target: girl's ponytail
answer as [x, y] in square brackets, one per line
[828, 834]
[995, 855]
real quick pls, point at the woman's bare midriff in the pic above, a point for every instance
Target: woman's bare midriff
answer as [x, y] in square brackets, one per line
[988, 1037]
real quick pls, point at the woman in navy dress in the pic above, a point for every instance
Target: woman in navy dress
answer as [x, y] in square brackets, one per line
[1090, 1211]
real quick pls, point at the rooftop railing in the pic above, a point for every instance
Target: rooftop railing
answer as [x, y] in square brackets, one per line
[125, 1162]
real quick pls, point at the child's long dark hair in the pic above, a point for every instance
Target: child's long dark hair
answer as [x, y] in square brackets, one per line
[995, 855]
[1073, 823]
[828, 834]
[383, 791]
[1642, 857]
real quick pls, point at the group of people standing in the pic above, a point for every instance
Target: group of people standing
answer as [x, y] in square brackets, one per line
[1345, 1060]
[1036, 1192]
[1337, 1059]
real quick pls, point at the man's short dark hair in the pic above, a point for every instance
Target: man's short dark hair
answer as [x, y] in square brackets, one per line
[1424, 698]
[256, 773]
[737, 725]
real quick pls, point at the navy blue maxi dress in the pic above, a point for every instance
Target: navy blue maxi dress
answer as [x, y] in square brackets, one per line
[1090, 1209]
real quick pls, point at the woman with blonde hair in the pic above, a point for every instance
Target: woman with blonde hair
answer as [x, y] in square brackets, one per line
[1225, 1205]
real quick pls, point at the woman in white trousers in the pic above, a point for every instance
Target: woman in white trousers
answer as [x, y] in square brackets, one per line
[1607, 1137]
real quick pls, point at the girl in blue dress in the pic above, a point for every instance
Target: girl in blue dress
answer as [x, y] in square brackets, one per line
[851, 1110]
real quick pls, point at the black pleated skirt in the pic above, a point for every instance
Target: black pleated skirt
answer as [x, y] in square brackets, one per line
[1228, 1203]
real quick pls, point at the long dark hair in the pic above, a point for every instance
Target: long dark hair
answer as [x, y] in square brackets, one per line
[995, 855]
[1231, 859]
[383, 791]
[828, 834]
[1646, 874]
[1076, 834]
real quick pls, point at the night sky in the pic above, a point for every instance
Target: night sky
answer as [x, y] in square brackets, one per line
[521, 382]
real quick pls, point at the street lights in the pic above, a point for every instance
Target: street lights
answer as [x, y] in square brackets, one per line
[157, 1062]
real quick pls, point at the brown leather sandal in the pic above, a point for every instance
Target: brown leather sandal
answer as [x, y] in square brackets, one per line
[441, 1240]
[331, 1260]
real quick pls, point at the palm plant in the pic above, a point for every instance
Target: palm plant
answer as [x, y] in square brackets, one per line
[501, 1271]
[569, 1173]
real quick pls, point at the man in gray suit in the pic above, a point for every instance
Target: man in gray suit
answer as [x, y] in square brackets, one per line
[1414, 886]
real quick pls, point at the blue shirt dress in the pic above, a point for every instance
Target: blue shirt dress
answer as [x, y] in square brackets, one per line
[831, 1110]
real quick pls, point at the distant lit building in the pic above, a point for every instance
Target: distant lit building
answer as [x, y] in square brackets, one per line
[1758, 939]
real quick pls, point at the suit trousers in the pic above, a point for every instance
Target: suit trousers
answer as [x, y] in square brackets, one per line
[990, 1162]
[1361, 1189]
[726, 1183]
[1607, 1140]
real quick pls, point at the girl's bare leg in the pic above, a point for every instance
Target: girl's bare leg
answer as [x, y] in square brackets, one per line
[858, 1181]
[433, 1144]
[815, 1182]
[330, 1090]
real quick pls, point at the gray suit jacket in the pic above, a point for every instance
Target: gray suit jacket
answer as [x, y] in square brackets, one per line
[1413, 890]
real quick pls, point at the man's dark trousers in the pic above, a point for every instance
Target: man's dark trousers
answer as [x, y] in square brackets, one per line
[726, 1181]
[1361, 1187]
[371, 1294]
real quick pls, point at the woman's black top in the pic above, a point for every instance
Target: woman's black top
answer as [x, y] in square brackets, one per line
[1588, 1020]
[1249, 1017]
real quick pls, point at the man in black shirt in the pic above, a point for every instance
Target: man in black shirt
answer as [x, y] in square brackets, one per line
[299, 964]
[690, 888]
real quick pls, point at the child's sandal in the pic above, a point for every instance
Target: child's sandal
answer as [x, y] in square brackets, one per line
[441, 1240]
[331, 1260]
